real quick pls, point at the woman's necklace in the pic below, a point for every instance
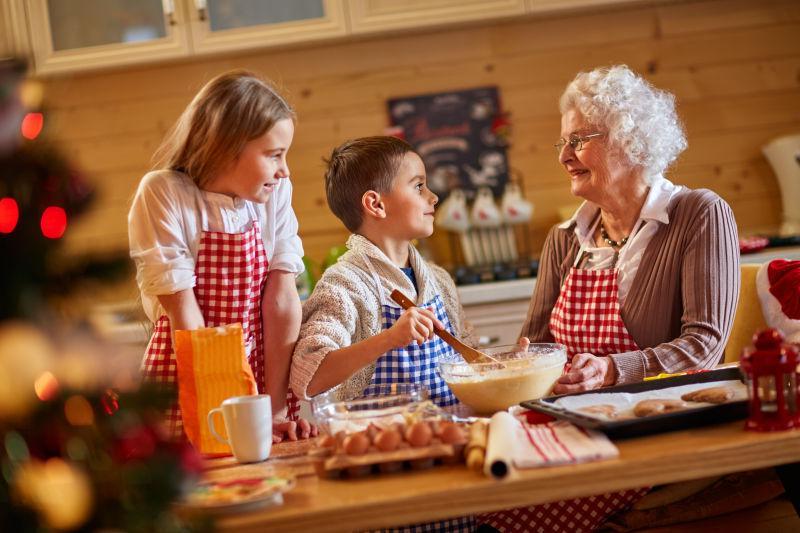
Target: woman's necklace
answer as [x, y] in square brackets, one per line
[609, 241]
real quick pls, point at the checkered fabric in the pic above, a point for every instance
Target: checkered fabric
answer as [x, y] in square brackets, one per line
[231, 270]
[415, 363]
[455, 525]
[585, 319]
[570, 516]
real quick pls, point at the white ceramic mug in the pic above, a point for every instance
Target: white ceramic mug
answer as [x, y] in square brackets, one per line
[248, 423]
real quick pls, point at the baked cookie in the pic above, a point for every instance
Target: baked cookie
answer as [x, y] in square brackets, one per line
[606, 410]
[657, 407]
[710, 395]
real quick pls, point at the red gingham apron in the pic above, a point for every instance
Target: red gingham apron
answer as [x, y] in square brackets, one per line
[585, 319]
[231, 271]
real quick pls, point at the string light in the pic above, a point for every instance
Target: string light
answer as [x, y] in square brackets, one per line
[54, 222]
[32, 125]
[9, 215]
[78, 411]
[46, 386]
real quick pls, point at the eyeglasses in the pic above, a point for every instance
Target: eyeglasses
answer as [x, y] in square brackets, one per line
[575, 141]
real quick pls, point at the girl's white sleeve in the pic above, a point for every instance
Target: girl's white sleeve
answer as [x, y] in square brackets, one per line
[287, 248]
[158, 240]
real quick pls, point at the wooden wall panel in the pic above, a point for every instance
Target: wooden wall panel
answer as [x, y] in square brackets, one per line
[734, 66]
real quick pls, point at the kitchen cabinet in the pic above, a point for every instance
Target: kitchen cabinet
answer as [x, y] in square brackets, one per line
[75, 35]
[549, 6]
[497, 310]
[86, 34]
[13, 31]
[373, 16]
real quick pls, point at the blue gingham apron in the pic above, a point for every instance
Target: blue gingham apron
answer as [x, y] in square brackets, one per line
[417, 364]
[413, 363]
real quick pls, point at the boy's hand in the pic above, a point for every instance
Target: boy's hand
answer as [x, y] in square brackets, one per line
[415, 324]
[291, 430]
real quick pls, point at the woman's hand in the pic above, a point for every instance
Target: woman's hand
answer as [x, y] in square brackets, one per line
[291, 430]
[586, 373]
[414, 325]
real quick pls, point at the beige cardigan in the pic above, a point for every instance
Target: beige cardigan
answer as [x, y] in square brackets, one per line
[680, 307]
[345, 308]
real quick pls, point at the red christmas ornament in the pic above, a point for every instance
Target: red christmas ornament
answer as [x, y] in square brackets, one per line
[9, 215]
[136, 444]
[191, 462]
[110, 402]
[54, 222]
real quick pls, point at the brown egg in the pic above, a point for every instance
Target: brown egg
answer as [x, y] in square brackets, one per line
[356, 444]
[328, 441]
[372, 431]
[452, 434]
[419, 434]
[387, 440]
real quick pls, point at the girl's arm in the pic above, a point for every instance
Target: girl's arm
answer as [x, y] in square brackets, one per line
[182, 310]
[281, 315]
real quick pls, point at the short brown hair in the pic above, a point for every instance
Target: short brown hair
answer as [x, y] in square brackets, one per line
[358, 166]
[228, 112]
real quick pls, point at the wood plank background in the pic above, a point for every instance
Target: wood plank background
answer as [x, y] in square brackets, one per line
[734, 66]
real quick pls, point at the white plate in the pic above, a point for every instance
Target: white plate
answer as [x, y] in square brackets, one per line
[235, 495]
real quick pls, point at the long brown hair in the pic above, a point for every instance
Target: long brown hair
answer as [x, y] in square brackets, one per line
[230, 110]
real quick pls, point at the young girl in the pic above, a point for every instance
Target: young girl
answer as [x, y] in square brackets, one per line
[214, 237]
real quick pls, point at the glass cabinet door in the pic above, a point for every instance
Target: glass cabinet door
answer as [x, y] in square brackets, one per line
[237, 24]
[87, 33]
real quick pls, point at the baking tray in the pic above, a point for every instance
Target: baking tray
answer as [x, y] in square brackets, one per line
[621, 429]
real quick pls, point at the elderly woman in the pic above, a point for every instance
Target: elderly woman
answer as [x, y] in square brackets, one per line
[644, 278]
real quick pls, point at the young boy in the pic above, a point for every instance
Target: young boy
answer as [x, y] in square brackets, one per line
[354, 336]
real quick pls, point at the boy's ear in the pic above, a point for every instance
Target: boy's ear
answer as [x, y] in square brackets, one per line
[373, 204]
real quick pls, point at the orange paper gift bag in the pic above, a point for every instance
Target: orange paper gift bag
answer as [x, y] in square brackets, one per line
[211, 367]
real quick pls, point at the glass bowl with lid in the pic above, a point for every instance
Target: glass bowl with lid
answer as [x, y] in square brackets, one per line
[518, 375]
[382, 406]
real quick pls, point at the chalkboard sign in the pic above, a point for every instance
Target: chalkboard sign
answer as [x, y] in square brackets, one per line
[455, 133]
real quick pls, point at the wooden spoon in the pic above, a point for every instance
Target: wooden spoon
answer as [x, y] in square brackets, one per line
[470, 354]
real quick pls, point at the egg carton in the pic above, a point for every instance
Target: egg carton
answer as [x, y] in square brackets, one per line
[341, 465]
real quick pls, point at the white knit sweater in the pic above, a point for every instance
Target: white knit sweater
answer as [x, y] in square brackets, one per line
[345, 308]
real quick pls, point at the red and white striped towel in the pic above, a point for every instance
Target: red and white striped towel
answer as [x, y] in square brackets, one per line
[557, 443]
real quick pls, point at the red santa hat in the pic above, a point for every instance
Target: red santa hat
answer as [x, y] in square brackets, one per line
[778, 284]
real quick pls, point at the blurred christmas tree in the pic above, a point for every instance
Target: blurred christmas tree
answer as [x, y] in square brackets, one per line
[40, 195]
[75, 455]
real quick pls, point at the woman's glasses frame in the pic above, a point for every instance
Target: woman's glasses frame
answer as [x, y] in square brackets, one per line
[575, 141]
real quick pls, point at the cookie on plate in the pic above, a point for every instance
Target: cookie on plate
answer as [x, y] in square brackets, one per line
[605, 410]
[710, 395]
[657, 407]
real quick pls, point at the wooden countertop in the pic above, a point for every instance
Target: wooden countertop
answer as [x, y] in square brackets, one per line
[445, 491]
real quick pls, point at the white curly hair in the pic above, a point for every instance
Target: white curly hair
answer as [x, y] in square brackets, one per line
[640, 120]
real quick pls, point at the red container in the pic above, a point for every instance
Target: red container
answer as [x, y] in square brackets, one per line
[770, 370]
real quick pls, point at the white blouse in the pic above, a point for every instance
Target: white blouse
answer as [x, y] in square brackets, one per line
[169, 214]
[655, 211]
